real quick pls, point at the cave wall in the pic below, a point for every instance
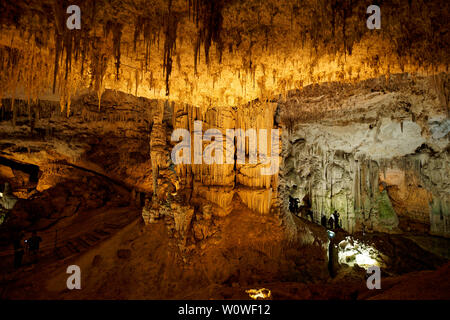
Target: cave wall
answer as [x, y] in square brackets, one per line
[383, 168]
[128, 139]
[112, 139]
[219, 183]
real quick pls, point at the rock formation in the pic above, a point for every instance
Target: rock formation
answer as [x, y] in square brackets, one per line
[381, 167]
[207, 143]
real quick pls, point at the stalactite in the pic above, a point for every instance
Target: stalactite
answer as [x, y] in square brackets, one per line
[151, 81]
[14, 110]
[331, 189]
[196, 54]
[170, 33]
[117, 35]
[207, 15]
[359, 186]
[149, 25]
[346, 211]
[69, 44]
[138, 26]
[58, 41]
[322, 25]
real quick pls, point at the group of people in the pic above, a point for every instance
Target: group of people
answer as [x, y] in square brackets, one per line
[29, 246]
[294, 204]
[302, 211]
[332, 222]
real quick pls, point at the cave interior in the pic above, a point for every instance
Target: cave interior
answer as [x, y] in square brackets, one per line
[115, 150]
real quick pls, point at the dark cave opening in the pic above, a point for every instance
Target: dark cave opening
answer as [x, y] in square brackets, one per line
[30, 169]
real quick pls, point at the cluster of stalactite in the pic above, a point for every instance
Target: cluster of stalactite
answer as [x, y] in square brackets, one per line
[71, 47]
[116, 30]
[16, 69]
[414, 27]
[70, 44]
[145, 26]
[416, 31]
[298, 106]
[170, 34]
[207, 15]
[9, 60]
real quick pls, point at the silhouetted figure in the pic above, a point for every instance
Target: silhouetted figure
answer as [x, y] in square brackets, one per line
[33, 243]
[336, 219]
[332, 258]
[331, 222]
[310, 214]
[323, 221]
[293, 205]
[18, 251]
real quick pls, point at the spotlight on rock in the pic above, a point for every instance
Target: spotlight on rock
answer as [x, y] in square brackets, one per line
[259, 294]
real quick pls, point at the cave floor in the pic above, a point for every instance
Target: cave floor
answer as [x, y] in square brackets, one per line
[134, 261]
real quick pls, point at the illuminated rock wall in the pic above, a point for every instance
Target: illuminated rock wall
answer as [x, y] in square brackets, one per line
[218, 183]
[383, 168]
[256, 49]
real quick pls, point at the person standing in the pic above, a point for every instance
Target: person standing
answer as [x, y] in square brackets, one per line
[323, 221]
[336, 219]
[33, 245]
[331, 222]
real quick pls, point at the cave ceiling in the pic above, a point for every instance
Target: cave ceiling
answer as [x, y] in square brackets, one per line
[213, 52]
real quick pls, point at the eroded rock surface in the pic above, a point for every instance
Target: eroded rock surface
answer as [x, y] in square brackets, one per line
[378, 157]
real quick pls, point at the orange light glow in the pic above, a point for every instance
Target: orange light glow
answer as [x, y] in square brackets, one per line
[259, 294]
